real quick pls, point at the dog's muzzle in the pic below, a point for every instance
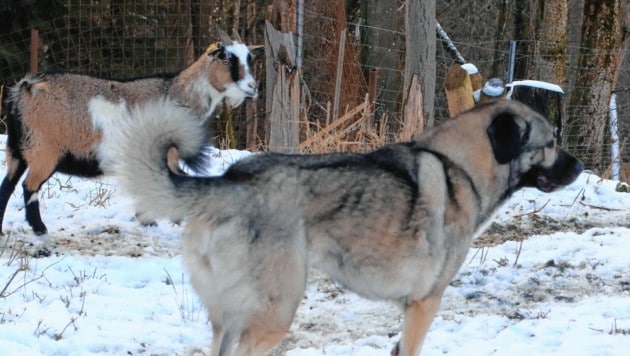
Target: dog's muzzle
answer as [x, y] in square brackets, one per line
[563, 172]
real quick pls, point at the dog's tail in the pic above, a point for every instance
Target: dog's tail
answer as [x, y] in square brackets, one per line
[151, 139]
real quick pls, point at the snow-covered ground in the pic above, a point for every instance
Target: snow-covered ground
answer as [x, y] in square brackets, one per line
[552, 276]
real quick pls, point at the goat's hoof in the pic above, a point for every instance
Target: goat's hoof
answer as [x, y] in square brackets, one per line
[39, 231]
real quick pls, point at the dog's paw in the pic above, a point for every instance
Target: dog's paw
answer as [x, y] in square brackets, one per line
[396, 349]
[145, 221]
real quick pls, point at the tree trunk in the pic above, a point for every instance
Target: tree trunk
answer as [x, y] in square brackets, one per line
[588, 117]
[284, 14]
[498, 68]
[420, 39]
[551, 44]
[524, 34]
[383, 49]
[551, 58]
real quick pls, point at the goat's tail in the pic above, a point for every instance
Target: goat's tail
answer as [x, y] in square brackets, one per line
[151, 139]
[17, 97]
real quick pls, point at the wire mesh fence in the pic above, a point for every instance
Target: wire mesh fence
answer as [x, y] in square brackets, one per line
[125, 38]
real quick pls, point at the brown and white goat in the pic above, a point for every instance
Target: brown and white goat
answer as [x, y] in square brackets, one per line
[60, 122]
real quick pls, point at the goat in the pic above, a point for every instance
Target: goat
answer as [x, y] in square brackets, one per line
[60, 122]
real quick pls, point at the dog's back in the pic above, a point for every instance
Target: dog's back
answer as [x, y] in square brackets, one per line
[393, 224]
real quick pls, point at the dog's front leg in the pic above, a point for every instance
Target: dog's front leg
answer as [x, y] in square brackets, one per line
[418, 317]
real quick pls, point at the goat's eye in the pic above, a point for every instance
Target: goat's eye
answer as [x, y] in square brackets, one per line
[228, 58]
[551, 144]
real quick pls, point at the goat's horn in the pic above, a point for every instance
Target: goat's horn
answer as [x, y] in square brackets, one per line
[236, 37]
[223, 37]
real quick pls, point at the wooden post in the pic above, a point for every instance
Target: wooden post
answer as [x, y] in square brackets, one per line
[34, 50]
[283, 92]
[493, 89]
[413, 111]
[459, 93]
[372, 81]
[476, 81]
[342, 49]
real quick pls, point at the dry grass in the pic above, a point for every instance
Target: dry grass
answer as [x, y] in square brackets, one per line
[352, 132]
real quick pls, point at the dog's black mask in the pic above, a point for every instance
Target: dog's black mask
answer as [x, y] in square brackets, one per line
[563, 172]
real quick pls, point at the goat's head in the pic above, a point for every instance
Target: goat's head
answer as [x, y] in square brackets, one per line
[235, 59]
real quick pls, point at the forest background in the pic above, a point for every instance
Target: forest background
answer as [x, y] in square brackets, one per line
[354, 62]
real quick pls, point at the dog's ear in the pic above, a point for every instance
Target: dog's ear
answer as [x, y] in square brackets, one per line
[507, 133]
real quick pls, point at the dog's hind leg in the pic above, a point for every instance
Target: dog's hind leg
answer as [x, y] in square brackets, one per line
[263, 334]
[418, 317]
[222, 341]
[285, 282]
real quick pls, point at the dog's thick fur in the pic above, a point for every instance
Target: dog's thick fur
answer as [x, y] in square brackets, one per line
[393, 224]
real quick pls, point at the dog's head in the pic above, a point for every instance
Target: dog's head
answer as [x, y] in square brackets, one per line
[524, 139]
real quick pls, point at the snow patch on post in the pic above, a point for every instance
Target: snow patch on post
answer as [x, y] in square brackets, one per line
[614, 139]
[534, 84]
[470, 68]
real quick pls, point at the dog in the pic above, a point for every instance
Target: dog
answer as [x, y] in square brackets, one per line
[392, 224]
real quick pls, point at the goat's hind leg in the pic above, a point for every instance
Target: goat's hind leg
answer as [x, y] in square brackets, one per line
[15, 169]
[37, 175]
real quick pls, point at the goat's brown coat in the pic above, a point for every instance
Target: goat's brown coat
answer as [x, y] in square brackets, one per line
[59, 121]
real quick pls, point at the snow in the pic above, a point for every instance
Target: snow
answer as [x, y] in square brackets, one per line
[550, 278]
[535, 84]
[470, 68]
[493, 87]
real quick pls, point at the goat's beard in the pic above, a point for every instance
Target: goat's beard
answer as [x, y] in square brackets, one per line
[235, 102]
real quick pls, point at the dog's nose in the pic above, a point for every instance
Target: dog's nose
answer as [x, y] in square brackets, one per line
[579, 167]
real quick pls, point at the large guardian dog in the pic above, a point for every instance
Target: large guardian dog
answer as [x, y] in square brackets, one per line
[392, 224]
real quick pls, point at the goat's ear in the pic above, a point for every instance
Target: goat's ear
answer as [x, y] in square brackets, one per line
[256, 50]
[215, 49]
[507, 133]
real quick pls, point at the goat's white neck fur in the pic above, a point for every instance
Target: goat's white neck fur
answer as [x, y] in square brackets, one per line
[105, 116]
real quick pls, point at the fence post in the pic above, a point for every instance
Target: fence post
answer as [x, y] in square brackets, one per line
[283, 92]
[372, 80]
[342, 49]
[413, 124]
[459, 92]
[512, 62]
[34, 50]
[614, 139]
